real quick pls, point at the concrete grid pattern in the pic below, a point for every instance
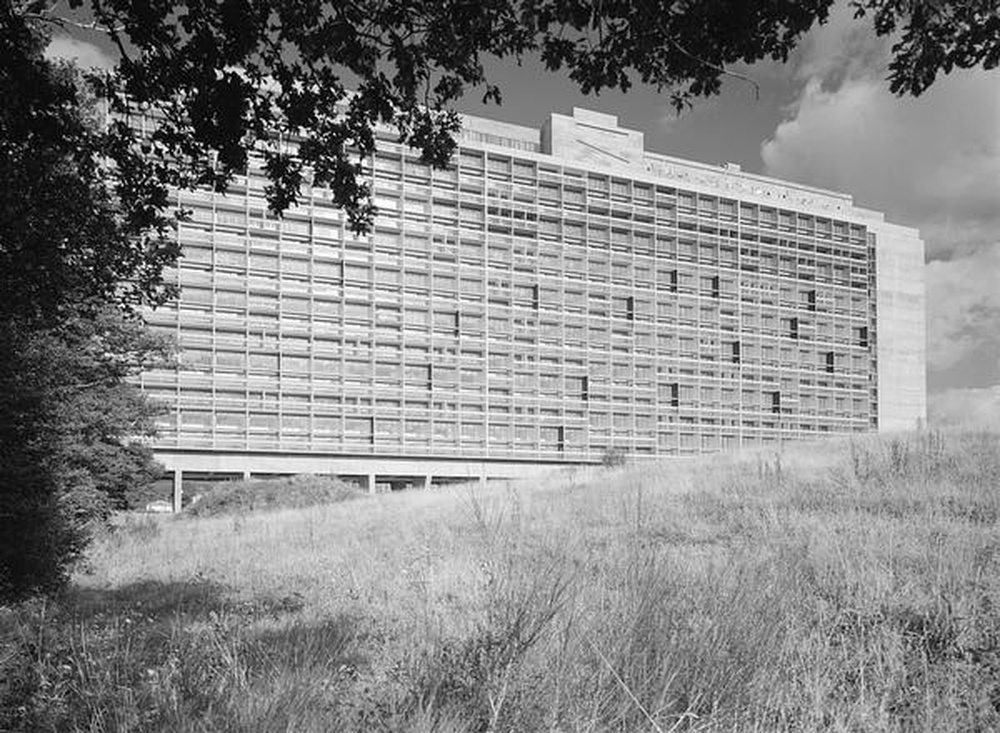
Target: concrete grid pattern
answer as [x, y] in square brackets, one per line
[553, 294]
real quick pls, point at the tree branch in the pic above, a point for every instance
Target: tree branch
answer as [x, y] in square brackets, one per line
[722, 70]
[112, 31]
[69, 23]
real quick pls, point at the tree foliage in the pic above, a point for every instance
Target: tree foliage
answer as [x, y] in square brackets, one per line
[934, 37]
[75, 265]
[66, 241]
[229, 75]
[72, 445]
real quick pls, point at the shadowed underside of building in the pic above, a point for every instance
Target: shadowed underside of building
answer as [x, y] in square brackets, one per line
[553, 295]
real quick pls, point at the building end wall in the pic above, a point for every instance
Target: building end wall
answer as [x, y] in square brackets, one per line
[901, 328]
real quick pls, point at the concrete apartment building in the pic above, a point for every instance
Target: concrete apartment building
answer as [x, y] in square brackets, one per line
[552, 295]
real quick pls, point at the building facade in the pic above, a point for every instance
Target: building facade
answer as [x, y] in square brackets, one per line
[552, 295]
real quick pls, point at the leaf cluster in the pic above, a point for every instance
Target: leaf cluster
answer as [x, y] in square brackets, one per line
[685, 47]
[225, 77]
[309, 84]
[228, 76]
[934, 36]
[72, 438]
[66, 238]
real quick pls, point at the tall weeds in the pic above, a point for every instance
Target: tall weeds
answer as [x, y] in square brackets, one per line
[853, 588]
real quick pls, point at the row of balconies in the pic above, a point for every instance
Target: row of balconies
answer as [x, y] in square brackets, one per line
[526, 182]
[420, 429]
[665, 247]
[577, 400]
[240, 213]
[691, 437]
[608, 300]
[263, 356]
[328, 375]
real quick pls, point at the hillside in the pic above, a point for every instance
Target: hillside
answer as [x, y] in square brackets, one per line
[849, 585]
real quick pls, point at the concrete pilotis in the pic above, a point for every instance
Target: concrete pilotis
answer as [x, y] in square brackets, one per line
[178, 490]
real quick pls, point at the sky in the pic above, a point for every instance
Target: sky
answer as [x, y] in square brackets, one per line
[826, 118]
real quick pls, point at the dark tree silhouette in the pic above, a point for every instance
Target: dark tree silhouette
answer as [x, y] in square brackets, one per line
[75, 264]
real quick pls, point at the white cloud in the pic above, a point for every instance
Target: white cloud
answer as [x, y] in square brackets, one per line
[965, 407]
[842, 48]
[932, 162]
[963, 319]
[85, 54]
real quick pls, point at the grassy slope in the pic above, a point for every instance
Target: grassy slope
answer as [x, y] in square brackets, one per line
[847, 586]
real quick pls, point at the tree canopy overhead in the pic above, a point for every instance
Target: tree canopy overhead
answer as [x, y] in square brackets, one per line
[65, 240]
[231, 74]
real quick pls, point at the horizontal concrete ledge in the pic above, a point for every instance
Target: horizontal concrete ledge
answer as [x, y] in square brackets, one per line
[256, 463]
[555, 462]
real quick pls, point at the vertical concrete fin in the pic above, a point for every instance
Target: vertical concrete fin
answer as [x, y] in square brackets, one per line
[178, 490]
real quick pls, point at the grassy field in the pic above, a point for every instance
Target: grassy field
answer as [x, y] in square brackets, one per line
[847, 586]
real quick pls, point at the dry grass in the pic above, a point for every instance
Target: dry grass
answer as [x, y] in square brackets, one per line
[848, 586]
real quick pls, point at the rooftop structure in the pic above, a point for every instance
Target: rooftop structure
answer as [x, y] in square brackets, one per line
[552, 295]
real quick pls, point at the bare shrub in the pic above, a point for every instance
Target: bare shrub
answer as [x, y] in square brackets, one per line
[614, 457]
[239, 497]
